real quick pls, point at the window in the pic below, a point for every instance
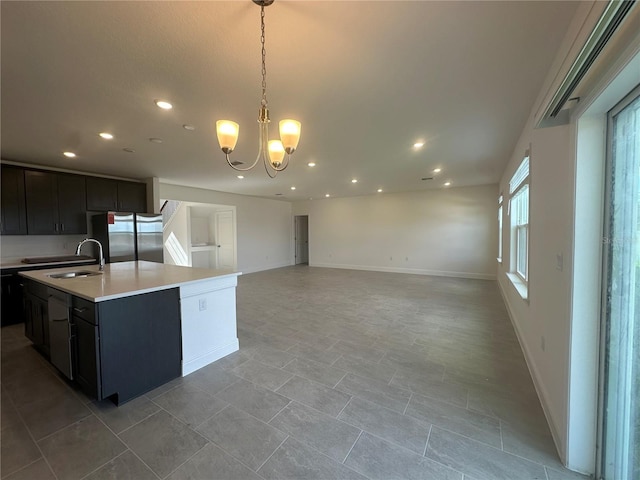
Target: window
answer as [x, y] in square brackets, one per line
[500, 228]
[519, 213]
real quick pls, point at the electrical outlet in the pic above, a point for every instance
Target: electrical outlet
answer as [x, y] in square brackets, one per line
[542, 343]
[559, 261]
[202, 304]
[390, 258]
[406, 259]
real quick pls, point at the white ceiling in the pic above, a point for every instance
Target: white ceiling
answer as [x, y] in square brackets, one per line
[366, 79]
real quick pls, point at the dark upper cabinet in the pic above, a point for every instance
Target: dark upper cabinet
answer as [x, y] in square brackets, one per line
[56, 203]
[132, 197]
[104, 194]
[13, 212]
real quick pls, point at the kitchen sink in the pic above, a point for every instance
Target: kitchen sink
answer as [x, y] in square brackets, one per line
[76, 274]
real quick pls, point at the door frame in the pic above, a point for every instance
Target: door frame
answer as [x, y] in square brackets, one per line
[295, 243]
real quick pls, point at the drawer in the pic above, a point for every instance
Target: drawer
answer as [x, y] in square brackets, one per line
[84, 309]
[37, 289]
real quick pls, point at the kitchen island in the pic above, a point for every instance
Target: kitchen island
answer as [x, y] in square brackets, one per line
[134, 326]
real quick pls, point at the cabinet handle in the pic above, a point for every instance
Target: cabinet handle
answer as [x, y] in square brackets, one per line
[55, 226]
[79, 310]
[62, 226]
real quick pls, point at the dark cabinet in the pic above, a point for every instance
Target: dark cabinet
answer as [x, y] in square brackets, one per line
[56, 203]
[87, 347]
[12, 299]
[104, 194]
[13, 212]
[36, 315]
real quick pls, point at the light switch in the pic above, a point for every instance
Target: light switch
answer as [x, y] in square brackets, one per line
[559, 261]
[202, 304]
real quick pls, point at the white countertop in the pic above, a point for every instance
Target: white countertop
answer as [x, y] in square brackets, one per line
[124, 279]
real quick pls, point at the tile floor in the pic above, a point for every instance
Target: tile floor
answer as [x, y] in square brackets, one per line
[340, 374]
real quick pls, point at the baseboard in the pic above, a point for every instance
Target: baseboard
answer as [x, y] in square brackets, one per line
[212, 356]
[265, 267]
[541, 391]
[412, 271]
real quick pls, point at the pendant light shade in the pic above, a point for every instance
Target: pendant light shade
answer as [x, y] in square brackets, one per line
[227, 135]
[290, 134]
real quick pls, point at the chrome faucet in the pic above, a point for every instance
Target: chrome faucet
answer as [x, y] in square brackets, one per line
[99, 246]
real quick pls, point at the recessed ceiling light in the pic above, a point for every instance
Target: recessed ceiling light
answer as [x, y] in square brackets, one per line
[293, 188]
[355, 180]
[240, 177]
[379, 190]
[106, 136]
[437, 170]
[418, 145]
[447, 184]
[155, 140]
[186, 126]
[164, 104]
[327, 195]
[128, 150]
[69, 154]
[311, 164]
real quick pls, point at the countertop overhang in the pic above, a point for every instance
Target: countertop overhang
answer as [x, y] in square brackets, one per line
[124, 279]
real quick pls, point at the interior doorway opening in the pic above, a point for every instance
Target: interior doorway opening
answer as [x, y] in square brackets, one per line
[301, 233]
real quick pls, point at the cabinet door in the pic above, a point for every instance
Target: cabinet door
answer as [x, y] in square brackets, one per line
[28, 316]
[132, 197]
[102, 194]
[42, 203]
[87, 366]
[13, 219]
[72, 204]
[11, 300]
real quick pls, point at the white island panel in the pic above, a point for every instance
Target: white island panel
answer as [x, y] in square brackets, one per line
[208, 310]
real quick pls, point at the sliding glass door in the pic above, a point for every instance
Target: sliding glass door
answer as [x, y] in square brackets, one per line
[620, 362]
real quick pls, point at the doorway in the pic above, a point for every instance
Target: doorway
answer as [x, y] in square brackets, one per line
[301, 232]
[620, 358]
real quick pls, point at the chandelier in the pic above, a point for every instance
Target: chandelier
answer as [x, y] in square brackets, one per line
[272, 152]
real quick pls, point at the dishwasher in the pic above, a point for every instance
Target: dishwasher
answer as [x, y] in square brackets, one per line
[60, 332]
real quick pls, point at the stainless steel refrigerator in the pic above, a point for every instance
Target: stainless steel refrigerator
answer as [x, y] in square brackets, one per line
[129, 236]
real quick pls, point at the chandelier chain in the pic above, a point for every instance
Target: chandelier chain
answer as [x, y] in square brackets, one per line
[264, 56]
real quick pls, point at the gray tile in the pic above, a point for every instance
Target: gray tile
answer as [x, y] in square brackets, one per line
[381, 460]
[375, 391]
[50, 413]
[271, 356]
[190, 405]
[8, 413]
[564, 474]
[211, 379]
[318, 341]
[265, 375]
[456, 419]
[243, 436]
[479, 460]
[315, 371]
[90, 441]
[38, 470]
[232, 360]
[432, 388]
[126, 465]
[162, 389]
[383, 373]
[534, 444]
[294, 460]
[315, 354]
[254, 399]
[393, 426]
[363, 353]
[17, 449]
[314, 394]
[122, 417]
[163, 442]
[328, 435]
[212, 463]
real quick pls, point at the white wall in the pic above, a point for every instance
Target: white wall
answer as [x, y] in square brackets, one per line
[450, 232]
[264, 227]
[558, 325]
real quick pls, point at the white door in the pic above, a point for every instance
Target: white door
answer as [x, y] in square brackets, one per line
[302, 239]
[225, 240]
